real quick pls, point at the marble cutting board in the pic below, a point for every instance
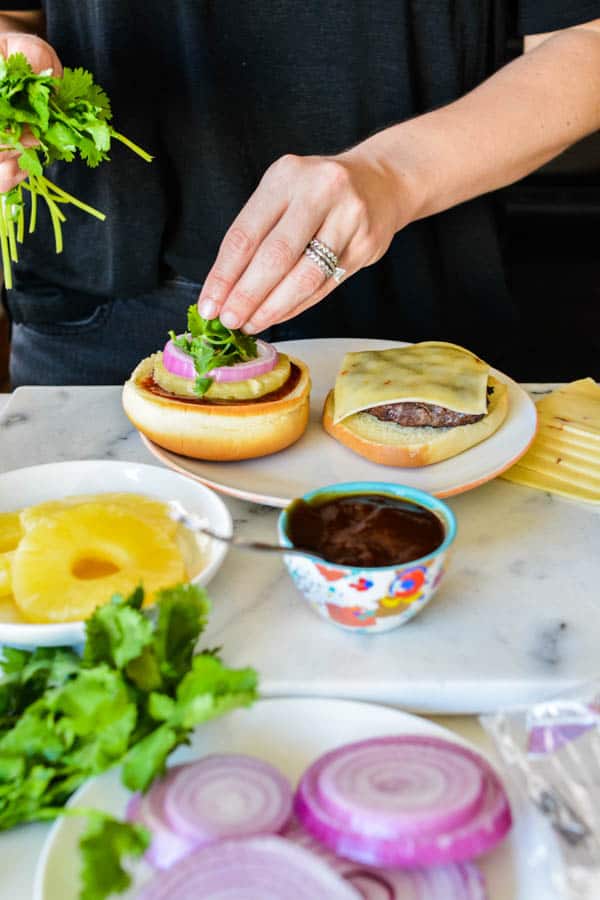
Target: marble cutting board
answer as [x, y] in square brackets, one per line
[517, 617]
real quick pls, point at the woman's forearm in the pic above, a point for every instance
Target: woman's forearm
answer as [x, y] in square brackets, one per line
[522, 116]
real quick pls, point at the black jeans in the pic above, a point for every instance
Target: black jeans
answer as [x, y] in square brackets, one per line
[106, 345]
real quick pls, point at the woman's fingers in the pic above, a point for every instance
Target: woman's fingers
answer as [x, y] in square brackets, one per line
[306, 279]
[261, 275]
[276, 256]
[39, 53]
[256, 220]
[10, 175]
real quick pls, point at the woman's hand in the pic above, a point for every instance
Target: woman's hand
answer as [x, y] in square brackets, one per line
[41, 56]
[353, 203]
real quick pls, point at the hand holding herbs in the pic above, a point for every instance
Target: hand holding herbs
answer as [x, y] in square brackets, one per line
[68, 117]
[134, 695]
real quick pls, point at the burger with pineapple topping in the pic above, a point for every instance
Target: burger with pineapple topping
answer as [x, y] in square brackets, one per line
[218, 394]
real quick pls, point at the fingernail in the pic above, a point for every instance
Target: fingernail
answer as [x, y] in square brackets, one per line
[229, 319]
[250, 328]
[208, 309]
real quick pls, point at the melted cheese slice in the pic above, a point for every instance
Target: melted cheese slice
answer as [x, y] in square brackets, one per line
[565, 455]
[430, 372]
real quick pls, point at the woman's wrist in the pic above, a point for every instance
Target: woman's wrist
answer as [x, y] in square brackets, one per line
[393, 154]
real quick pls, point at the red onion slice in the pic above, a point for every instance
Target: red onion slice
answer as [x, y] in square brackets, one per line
[148, 809]
[422, 788]
[454, 881]
[450, 838]
[250, 869]
[178, 362]
[227, 796]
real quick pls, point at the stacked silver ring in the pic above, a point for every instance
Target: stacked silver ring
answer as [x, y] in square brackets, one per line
[324, 257]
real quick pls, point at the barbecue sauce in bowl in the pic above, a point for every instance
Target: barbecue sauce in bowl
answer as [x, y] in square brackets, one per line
[369, 530]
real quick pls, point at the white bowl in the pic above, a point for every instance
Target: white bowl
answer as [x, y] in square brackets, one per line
[36, 484]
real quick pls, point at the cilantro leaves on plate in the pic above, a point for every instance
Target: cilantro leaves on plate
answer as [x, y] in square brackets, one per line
[67, 116]
[135, 694]
[212, 345]
[104, 846]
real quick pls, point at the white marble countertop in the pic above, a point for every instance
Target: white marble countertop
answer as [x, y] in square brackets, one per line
[517, 617]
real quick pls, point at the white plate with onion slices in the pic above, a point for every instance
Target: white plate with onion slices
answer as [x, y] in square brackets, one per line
[318, 459]
[291, 734]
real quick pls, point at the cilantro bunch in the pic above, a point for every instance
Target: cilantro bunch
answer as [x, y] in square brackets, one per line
[134, 695]
[211, 345]
[67, 116]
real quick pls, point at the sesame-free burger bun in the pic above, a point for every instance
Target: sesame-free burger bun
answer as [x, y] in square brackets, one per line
[391, 444]
[217, 431]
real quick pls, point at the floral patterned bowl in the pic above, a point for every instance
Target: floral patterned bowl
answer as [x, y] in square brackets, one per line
[371, 600]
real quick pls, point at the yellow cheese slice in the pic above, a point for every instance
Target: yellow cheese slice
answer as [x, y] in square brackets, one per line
[430, 372]
[576, 405]
[565, 455]
[558, 445]
[547, 482]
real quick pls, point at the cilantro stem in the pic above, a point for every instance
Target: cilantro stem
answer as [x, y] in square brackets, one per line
[6, 261]
[131, 145]
[69, 198]
[21, 219]
[37, 184]
[10, 229]
[33, 210]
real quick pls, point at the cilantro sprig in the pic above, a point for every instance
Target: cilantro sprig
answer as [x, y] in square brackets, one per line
[211, 345]
[134, 695]
[68, 117]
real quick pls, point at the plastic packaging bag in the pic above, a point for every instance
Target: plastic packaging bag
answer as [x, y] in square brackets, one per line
[551, 755]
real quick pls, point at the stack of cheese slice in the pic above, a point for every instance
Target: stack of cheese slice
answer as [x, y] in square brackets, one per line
[565, 455]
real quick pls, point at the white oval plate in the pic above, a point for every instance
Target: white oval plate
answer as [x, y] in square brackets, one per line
[291, 734]
[36, 484]
[317, 459]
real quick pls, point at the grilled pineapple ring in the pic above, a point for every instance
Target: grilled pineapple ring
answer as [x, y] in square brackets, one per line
[69, 563]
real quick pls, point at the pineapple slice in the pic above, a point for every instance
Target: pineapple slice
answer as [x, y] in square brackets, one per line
[72, 561]
[248, 389]
[9, 614]
[5, 574]
[11, 530]
[147, 508]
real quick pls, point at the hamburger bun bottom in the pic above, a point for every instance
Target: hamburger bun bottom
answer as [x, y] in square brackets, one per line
[390, 444]
[218, 431]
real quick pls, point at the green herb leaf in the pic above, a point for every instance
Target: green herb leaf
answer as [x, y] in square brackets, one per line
[212, 345]
[117, 634]
[133, 696]
[104, 845]
[182, 615]
[69, 116]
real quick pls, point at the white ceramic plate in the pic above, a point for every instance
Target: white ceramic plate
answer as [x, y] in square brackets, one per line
[317, 459]
[36, 484]
[290, 734]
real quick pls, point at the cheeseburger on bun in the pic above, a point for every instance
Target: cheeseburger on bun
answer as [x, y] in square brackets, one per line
[414, 405]
[218, 394]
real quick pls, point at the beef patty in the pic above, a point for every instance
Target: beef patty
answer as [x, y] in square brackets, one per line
[420, 415]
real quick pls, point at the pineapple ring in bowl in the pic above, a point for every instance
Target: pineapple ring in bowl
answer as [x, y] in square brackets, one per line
[58, 481]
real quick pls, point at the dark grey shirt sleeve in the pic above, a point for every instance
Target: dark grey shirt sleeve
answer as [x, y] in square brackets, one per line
[538, 16]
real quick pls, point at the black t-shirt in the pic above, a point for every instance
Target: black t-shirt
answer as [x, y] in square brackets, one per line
[218, 90]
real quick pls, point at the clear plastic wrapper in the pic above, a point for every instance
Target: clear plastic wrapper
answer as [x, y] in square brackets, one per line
[550, 755]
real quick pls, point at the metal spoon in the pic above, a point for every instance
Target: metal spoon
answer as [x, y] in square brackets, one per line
[199, 525]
